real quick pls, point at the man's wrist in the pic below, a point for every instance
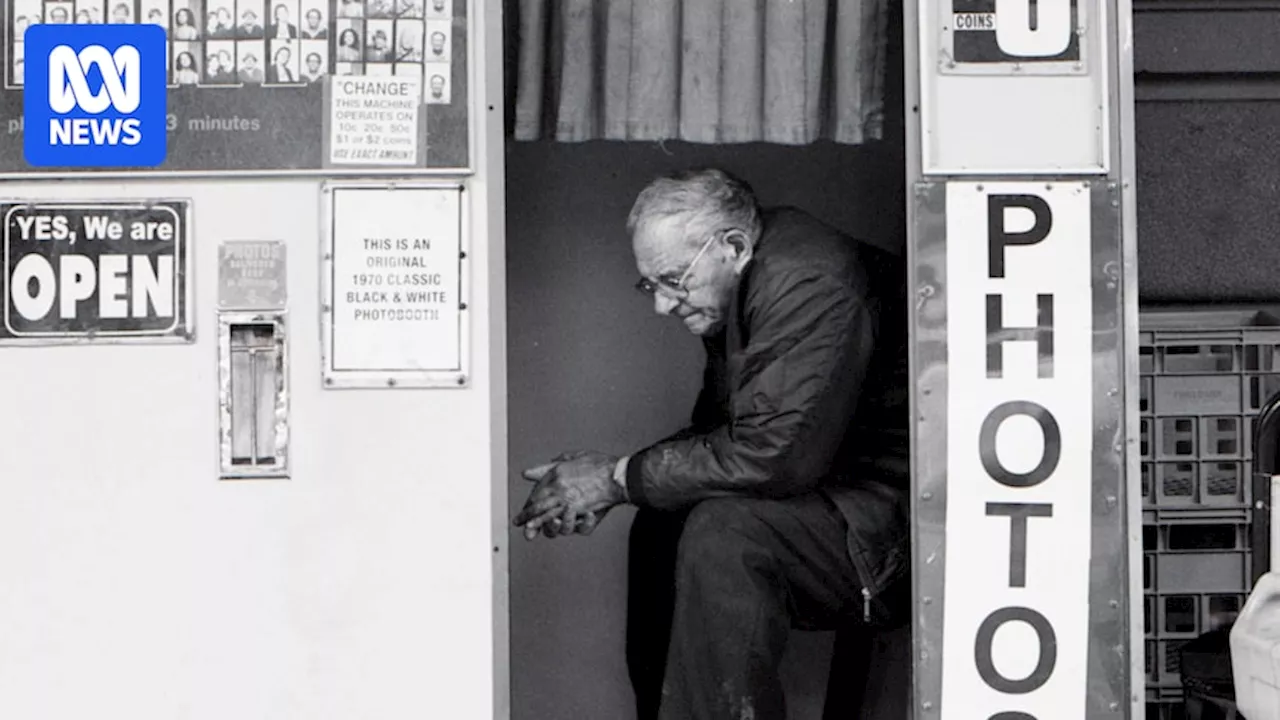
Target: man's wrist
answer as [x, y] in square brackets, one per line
[620, 476]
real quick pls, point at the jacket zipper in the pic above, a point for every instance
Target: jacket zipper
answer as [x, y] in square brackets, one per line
[866, 606]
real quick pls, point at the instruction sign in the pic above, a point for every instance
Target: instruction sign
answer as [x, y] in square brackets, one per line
[1013, 36]
[251, 275]
[375, 121]
[105, 271]
[258, 87]
[394, 285]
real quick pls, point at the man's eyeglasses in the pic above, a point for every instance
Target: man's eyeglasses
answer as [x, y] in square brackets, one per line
[675, 287]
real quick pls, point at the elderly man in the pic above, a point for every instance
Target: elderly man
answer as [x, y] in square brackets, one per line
[784, 504]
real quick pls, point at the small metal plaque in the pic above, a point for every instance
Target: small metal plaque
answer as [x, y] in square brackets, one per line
[251, 275]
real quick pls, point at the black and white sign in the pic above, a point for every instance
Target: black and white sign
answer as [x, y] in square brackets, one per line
[96, 271]
[395, 289]
[1019, 451]
[1013, 37]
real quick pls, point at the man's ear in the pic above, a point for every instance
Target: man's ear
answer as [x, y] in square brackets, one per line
[741, 246]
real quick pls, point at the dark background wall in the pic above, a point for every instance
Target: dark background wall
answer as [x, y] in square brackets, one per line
[590, 366]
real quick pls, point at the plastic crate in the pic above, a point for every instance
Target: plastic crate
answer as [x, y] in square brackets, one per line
[1195, 577]
[1204, 375]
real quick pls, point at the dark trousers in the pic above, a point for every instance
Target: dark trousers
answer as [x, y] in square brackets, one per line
[713, 594]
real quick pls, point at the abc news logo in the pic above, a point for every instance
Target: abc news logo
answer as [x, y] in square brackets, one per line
[95, 96]
[69, 91]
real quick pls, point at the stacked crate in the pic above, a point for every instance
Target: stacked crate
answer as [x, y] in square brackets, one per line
[1204, 377]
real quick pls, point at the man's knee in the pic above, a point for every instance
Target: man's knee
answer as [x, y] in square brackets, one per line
[722, 533]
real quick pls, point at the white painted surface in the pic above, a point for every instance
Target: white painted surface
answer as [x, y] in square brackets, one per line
[1013, 124]
[138, 586]
[978, 545]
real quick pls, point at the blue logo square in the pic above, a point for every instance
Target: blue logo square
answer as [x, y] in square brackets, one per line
[95, 96]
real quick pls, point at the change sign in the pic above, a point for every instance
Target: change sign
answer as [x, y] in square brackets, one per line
[1014, 36]
[106, 271]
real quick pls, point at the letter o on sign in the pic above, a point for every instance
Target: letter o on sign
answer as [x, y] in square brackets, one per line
[1052, 444]
[982, 646]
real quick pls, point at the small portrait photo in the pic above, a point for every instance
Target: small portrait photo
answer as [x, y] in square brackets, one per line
[59, 13]
[378, 40]
[315, 20]
[315, 60]
[350, 41]
[220, 20]
[350, 8]
[409, 9]
[439, 9]
[380, 8]
[283, 24]
[436, 84]
[409, 36]
[439, 47]
[285, 63]
[19, 65]
[25, 14]
[89, 12]
[220, 63]
[373, 69]
[156, 12]
[249, 22]
[186, 63]
[186, 20]
[121, 12]
[249, 61]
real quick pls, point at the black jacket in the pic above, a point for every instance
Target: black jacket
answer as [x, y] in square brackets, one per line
[805, 389]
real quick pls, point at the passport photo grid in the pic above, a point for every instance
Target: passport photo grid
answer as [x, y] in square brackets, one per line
[271, 43]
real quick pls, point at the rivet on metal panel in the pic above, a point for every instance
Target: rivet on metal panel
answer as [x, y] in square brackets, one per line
[926, 391]
[1048, 187]
[926, 600]
[979, 188]
[462, 379]
[1259, 504]
[463, 254]
[1111, 502]
[462, 306]
[326, 191]
[1017, 67]
[926, 705]
[926, 496]
[1115, 202]
[1111, 185]
[1077, 66]
[1118, 447]
[1114, 603]
[324, 308]
[1113, 392]
[1115, 706]
[328, 381]
[951, 63]
[328, 256]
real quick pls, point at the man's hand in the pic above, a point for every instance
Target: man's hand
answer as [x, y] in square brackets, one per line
[573, 493]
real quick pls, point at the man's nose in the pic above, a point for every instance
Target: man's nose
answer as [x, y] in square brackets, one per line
[663, 305]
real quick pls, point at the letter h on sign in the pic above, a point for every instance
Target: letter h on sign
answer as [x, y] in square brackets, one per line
[95, 96]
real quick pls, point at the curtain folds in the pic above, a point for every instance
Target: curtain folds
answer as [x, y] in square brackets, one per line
[706, 71]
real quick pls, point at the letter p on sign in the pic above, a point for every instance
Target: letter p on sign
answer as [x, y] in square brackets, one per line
[96, 96]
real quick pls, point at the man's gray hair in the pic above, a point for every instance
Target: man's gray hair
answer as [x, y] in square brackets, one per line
[705, 201]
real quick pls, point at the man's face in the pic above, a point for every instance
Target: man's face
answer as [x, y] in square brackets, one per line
[313, 19]
[437, 85]
[249, 19]
[313, 64]
[437, 43]
[663, 252]
[58, 16]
